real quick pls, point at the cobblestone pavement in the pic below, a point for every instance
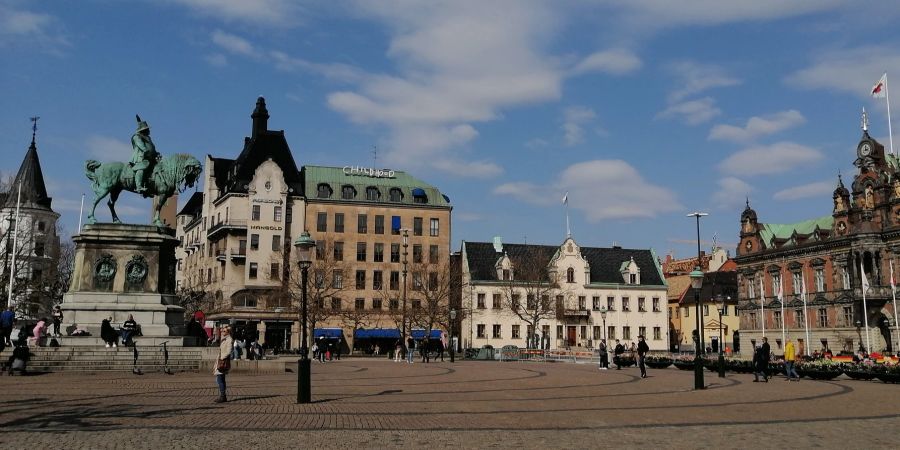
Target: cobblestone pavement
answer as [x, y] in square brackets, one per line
[366, 403]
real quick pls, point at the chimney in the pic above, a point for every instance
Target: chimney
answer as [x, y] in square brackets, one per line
[260, 117]
[498, 244]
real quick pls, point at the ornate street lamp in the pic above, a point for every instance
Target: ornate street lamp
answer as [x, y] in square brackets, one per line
[603, 316]
[722, 305]
[452, 345]
[305, 245]
[405, 232]
[696, 284]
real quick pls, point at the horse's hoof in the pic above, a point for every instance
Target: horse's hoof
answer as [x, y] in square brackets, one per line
[117, 221]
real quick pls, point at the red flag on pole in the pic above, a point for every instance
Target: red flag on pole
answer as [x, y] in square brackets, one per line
[880, 88]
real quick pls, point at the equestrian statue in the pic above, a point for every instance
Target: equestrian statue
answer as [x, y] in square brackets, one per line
[148, 174]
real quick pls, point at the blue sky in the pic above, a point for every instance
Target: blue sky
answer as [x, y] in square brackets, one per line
[642, 110]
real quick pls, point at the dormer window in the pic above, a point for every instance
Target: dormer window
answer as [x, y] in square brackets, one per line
[372, 193]
[419, 196]
[348, 192]
[570, 275]
[632, 278]
[323, 190]
[507, 275]
[395, 195]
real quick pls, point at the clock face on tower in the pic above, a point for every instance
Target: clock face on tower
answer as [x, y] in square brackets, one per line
[865, 149]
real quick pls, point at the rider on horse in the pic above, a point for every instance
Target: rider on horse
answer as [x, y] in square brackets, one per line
[144, 156]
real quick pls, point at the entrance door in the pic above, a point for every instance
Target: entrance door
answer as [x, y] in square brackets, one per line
[570, 336]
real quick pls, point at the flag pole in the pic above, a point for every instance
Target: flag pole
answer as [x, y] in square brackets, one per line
[566, 202]
[762, 302]
[865, 306]
[887, 99]
[894, 295]
[80, 215]
[805, 312]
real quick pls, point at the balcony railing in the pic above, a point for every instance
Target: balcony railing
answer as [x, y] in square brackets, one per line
[577, 312]
[228, 225]
[238, 253]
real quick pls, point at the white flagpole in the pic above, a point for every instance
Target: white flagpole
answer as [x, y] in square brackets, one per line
[887, 99]
[762, 303]
[805, 312]
[894, 295]
[865, 306]
[781, 300]
[12, 268]
[80, 215]
[566, 202]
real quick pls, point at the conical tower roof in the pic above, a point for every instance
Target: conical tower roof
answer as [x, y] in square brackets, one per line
[34, 192]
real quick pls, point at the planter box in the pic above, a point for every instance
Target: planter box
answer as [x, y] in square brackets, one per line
[684, 365]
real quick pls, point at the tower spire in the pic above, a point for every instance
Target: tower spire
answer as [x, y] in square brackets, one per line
[865, 120]
[33, 128]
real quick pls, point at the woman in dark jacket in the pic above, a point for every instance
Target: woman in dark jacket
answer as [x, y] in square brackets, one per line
[108, 334]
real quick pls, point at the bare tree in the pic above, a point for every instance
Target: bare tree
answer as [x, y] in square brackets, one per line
[432, 287]
[531, 291]
[326, 281]
[31, 258]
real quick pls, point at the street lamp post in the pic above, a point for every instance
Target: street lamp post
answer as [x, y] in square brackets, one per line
[603, 316]
[405, 233]
[305, 245]
[452, 345]
[696, 284]
[722, 305]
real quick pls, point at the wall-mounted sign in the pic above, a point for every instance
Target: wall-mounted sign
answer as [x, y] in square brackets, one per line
[265, 227]
[368, 172]
[267, 200]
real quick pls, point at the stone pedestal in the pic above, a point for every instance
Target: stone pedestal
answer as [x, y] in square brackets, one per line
[120, 270]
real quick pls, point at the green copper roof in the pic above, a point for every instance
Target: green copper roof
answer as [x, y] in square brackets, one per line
[784, 231]
[337, 177]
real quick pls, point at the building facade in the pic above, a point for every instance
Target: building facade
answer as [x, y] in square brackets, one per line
[826, 282]
[564, 296]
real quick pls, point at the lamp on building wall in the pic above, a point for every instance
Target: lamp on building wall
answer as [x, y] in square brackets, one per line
[305, 246]
[452, 346]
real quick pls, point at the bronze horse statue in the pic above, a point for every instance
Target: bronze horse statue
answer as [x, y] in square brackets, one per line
[171, 175]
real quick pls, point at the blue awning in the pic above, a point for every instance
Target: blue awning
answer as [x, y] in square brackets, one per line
[418, 192]
[336, 333]
[377, 333]
[395, 223]
[446, 199]
[420, 334]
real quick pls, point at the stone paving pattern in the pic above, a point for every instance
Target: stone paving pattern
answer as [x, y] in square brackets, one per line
[366, 403]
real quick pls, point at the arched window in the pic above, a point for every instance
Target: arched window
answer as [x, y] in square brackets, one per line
[348, 192]
[323, 191]
[570, 275]
[396, 195]
[372, 193]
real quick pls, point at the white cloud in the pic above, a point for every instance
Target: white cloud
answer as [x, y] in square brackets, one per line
[758, 126]
[600, 189]
[817, 189]
[258, 12]
[612, 61]
[666, 13]
[575, 119]
[20, 27]
[107, 149]
[692, 112]
[770, 159]
[852, 70]
[731, 192]
[695, 78]
[467, 216]
[335, 71]
[233, 43]
[475, 169]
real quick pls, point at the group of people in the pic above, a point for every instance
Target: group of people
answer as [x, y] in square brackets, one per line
[424, 346]
[111, 336]
[246, 348]
[639, 351]
[326, 349]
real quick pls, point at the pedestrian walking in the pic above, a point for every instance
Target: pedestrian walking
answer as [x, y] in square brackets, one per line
[642, 349]
[762, 361]
[618, 350]
[7, 322]
[410, 349]
[604, 356]
[315, 351]
[57, 320]
[398, 351]
[424, 345]
[223, 362]
[323, 349]
[108, 334]
[789, 359]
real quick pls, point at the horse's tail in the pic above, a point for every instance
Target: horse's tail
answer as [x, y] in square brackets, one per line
[90, 168]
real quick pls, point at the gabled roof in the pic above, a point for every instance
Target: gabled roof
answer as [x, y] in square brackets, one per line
[336, 177]
[257, 150]
[786, 231]
[604, 262]
[34, 192]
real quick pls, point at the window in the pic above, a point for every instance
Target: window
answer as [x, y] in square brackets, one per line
[724, 310]
[394, 304]
[323, 191]
[41, 226]
[417, 253]
[278, 214]
[244, 301]
[480, 327]
[582, 303]
[583, 332]
[776, 282]
[846, 278]
[642, 305]
[433, 255]
[396, 225]
[339, 223]
[657, 334]
[626, 306]
[480, 298]
[379, 224]
[705, 310]
[362, 224]
[359, 304]
[419, 196]
[337, 279]
[348, 192]
[39, 249]
[632, 278]
[687, 311]
[336, 304]
[378, 253]
[276, 243]
[515, 331]
[610, 332]
[255, 213]
[506, 275]
[598, 333]
[777, 316]
[432, 281]
[395, 253]
[372, 193]
[208, 275]
[376, 303]
[570, 275]
[322, 222]
[796, 282]
[417, 283]
[626, 333]
[820, 280]
[642, 331]
[416, 304]
[253, 269]
[751, 289]
[435, 227]
[848, 316]
[656, 305]
[595, 303]
[753, 320]
[417, 226]
[823, 318]
[319, 279]
[361, 251]
[254, 242]
[496, 331]
[610, 303]
[395, 280]
[377, 280]
[274, 271]
[338, 251]
[496, 301]
[360, 279]
[559, 332]
[395, 195]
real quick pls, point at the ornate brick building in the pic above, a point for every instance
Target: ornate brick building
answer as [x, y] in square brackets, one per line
[829, 255]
